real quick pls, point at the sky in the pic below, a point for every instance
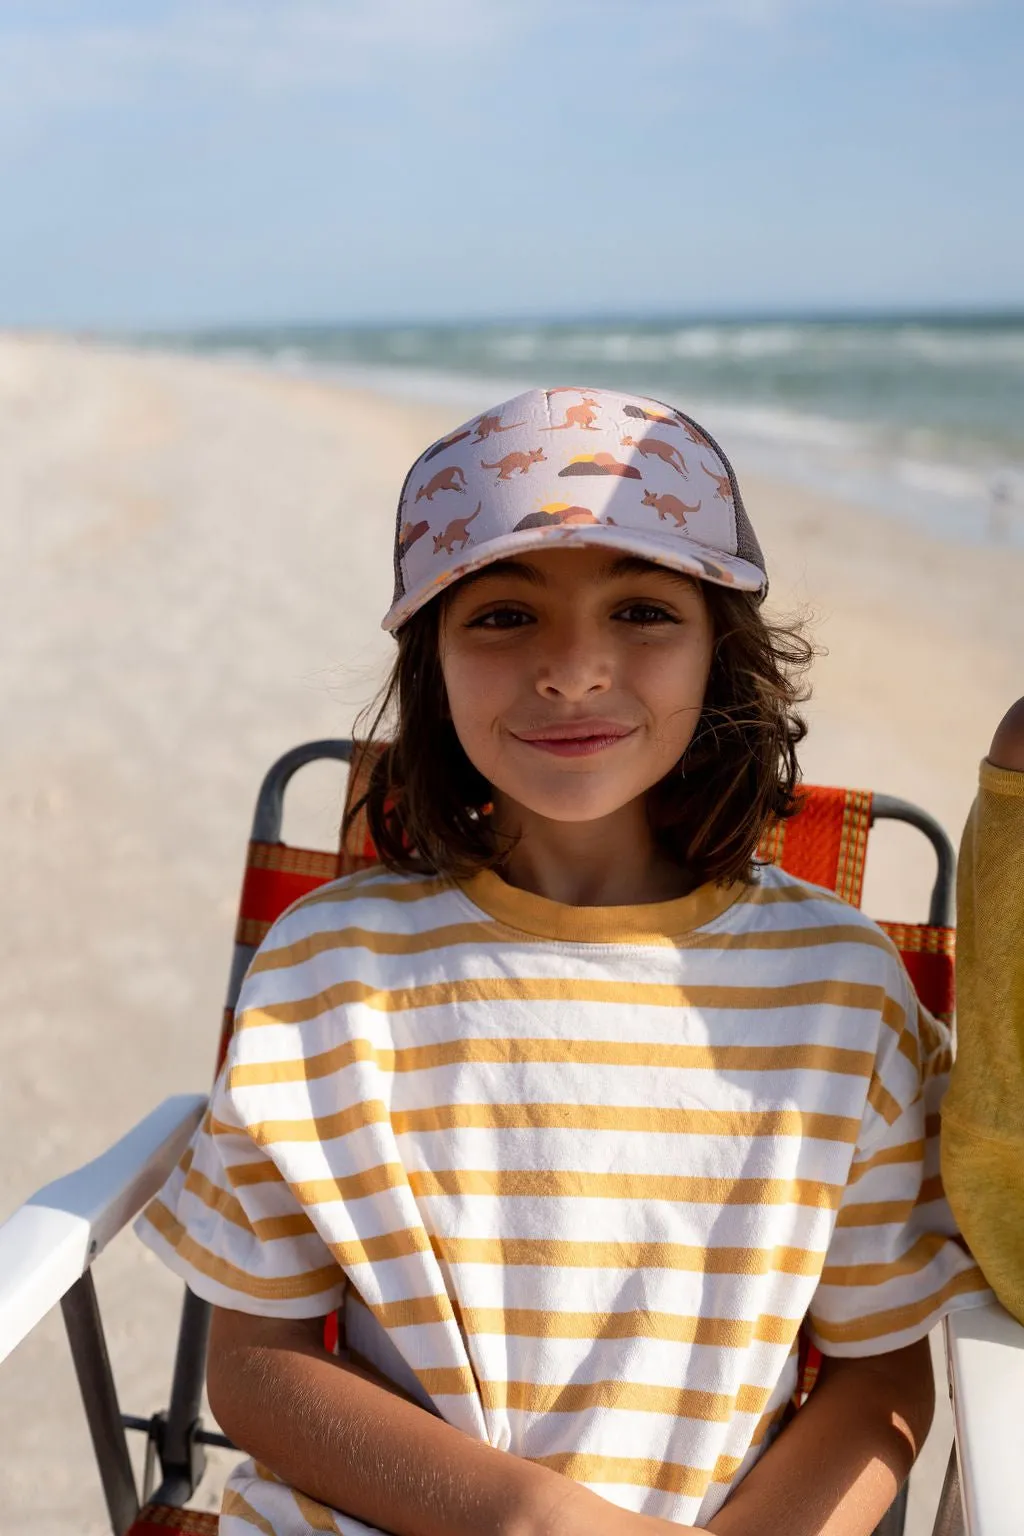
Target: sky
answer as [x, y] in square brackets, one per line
[213, 162]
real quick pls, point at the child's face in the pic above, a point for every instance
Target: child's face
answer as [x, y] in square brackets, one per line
[575, 678]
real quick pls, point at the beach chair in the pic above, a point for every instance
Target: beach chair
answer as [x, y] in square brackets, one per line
[49, 1244]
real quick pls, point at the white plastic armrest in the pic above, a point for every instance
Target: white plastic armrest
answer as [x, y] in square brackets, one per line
[51, 1240]
[985, 1357]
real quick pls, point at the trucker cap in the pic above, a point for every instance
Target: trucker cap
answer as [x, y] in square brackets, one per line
[571, 467]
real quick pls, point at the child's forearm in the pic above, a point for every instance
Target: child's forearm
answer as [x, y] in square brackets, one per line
[342, 1437]
[839, 1464]
[333, 1432]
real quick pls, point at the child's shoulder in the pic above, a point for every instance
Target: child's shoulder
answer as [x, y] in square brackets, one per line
[336, 941]
[373, 898]
[783, 903]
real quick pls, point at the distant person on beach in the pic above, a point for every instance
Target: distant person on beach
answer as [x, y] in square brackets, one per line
[983, 1113]
[577, 1113]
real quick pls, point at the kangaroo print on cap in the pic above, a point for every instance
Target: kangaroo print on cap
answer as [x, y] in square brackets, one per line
[647, 480]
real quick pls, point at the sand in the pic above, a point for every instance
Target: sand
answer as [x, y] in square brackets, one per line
[194, 559]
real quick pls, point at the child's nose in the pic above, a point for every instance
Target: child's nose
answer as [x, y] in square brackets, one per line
[577, 669]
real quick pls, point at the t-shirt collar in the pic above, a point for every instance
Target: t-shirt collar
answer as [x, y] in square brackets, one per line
[597, 925]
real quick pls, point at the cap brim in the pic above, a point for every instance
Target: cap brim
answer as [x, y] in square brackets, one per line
[673, 550]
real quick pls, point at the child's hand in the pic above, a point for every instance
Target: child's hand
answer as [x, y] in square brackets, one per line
[1007, 749]
[583, 1513]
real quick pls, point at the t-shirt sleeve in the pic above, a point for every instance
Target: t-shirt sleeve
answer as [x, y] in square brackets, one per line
[231, 1227]
[896, 1263]
[983, 1115]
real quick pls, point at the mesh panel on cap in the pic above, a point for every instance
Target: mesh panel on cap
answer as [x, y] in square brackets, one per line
[747, 546]
[399, 577]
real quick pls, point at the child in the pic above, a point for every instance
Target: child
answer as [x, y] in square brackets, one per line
[983, 1115]
[573, 1110]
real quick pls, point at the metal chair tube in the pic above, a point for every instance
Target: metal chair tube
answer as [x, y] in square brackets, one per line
[182, 1458]
[266, 822]
[99, 1396]
[890, 808]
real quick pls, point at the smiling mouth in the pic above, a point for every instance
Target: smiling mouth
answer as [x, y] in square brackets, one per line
[579, 738]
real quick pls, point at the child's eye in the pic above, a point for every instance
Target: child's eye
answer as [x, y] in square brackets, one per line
[641, 613]
[505, 617]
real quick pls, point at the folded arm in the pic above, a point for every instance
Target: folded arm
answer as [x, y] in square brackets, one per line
[838, 1465]
[349, 1441]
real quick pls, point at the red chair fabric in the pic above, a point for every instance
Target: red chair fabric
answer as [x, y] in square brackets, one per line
[162, 1520]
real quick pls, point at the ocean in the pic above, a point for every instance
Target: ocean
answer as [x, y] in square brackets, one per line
[918, 416]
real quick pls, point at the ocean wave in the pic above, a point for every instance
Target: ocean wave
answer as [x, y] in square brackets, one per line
[908, 414]
[817, 344]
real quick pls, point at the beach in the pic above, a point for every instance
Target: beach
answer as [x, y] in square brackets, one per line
[196, 554]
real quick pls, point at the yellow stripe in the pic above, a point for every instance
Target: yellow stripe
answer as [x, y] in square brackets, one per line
[578, 1117]
[523, 1050]
[368, 886]
[447, 1381]
[906, 1152]
[283, 1288]
[561, 1253]
[640, 1472]
[890, 1212]
[266, 1228]
[487, 931]
[264, 1473]
[238, 1508]
[399, 1244]
[931, 1189]
[546, 1323]
[622, 1396]
[317, 1516]
[877, 1213]
[771, 895]
[766, 1421]
[448, 936]
[549, 1183]
[217, 1199]
[543, 1183]
[412, 1312]
[882, 1101]
[878, 1325]
[907, 1041]
[243, 1175]
[916, 1258]
[598, 1117]
[324, 1128]
[465, 990]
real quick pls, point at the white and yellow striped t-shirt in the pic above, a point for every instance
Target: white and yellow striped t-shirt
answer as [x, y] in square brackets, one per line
[575, 1175]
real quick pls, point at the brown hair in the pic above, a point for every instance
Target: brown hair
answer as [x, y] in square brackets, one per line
[425, 799]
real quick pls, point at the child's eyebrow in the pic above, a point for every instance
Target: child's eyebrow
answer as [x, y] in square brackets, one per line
[633, 565]
[500, 568]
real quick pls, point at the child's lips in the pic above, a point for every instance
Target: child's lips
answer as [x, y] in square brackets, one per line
[577, 738]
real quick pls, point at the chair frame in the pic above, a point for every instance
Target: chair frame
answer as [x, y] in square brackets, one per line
[49, 1244]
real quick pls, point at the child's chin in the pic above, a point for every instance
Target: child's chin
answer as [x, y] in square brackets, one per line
[575, 803]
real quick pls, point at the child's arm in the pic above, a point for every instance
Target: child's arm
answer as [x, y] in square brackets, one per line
[839, 1463]
[983, 1113]
[348, 1441]
[1007, 749]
